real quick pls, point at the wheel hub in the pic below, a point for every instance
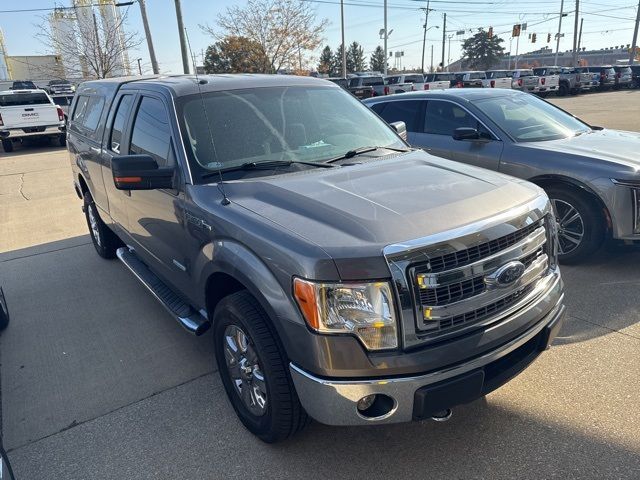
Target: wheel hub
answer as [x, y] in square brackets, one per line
[570, 225]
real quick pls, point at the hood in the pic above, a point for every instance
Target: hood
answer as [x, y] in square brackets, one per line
[615, 146]
[354, 211]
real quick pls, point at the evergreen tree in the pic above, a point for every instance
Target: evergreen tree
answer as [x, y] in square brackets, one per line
[355, 58]
[377, 60]
[337, 62]
[326, 64]
[482, 52]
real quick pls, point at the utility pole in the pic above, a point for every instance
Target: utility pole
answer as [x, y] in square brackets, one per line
[147, 33]
[431, 69]
[580, 34]
[444, 38]
[632, 56]
[517, 47]
[424, 37]
[448, 53]
[385, 37]
[344, 50]
[510, 42]
[139, 65]
[555, 62]
[183, 40]
[575, 35]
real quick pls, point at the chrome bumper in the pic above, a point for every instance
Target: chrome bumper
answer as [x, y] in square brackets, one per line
[334, 402]
[20, 133]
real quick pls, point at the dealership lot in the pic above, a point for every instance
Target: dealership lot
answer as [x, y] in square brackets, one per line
[99, 382]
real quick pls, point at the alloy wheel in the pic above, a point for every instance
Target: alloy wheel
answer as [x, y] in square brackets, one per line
[570, 226]
[244, 368]
[93, 223]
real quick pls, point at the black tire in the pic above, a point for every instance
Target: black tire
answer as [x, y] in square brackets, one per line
[7, 145]
[283, 414]
[103, 238]
[590, 224]
[563, 89]
[62, 140]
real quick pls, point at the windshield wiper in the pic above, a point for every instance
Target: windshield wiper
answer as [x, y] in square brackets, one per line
[361, 150]
[266, 165]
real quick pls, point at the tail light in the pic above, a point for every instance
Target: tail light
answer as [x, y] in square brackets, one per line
[60, 115]
[386, 90]
[1, 122]
[426, 86]
[493, 83]
[459, 84]
[519, 82]
[542, 80]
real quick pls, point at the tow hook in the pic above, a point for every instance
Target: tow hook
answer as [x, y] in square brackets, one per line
[443, 415]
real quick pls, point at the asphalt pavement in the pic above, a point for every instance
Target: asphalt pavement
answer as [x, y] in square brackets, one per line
[98, 382]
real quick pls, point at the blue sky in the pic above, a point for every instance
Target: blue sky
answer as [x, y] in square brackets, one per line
[606, 23]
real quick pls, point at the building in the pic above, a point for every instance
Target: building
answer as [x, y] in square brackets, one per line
[4, 68]
[39, 68]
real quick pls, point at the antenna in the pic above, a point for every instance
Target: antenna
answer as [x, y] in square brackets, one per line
[225, 199]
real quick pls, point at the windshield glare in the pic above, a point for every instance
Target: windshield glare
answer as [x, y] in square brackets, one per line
[229, 128]
[526, 118]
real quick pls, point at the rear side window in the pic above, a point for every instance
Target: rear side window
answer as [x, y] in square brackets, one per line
[18, 99]
[442, 118]
[407, 111]
[119, 120]
[151, 134]
[92, 113]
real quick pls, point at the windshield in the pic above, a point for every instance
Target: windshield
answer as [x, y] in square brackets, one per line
[59, 82]
[413, 79]
[393, 80]
[314, 124]
[526, 118]
[23, 99]
[372, 81]
[477, 76]
[24, 86]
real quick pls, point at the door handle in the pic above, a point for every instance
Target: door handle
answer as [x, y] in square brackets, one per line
[96, 150]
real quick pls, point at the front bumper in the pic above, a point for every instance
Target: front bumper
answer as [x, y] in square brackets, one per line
[334, 402]
[51, 130]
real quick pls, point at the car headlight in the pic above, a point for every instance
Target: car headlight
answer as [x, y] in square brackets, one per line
[365, 310]
[634, 187]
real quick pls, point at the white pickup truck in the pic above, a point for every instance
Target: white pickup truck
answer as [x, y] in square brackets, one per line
[548, 79]
[409, 82]
[497, 79]
[28, 114]
[438, 81]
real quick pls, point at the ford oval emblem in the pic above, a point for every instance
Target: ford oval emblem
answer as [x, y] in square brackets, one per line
[506, 275]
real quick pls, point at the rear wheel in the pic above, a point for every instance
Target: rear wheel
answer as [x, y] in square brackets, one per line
[7, 145]
[104, 240]
[62, 140]
[254, 369]
[581, 226]
[563, 89]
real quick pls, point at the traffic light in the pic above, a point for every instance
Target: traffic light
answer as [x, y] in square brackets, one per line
[516, 30]
[548, 37]
[533, 38]
[490, 34]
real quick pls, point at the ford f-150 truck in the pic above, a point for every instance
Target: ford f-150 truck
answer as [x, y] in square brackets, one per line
[346, 277]
[26, 114]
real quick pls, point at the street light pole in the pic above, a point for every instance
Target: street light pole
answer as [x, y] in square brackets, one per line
[147, 33]
[139, 66]
[448, 53]
[344, 51]
[424, 37]
[385, 37]
[444, 38]
[559, 31]
[632, 56]
[575, 35]
[431, 68]
[183, 40]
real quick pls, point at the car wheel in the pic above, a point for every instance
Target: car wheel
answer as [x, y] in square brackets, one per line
[103, 238]
[581, 228]
[563, 90]
[62, 140]
[7, 145]
[254, 369]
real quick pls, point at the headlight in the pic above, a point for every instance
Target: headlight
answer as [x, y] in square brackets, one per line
[365, 310]
[634, 187]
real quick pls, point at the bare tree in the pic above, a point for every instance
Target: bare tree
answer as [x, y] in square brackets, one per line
[283, 29]
[90, 47]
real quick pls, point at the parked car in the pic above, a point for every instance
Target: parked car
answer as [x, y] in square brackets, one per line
[64, 102]
[27, 114]
[624, 76]
[471, 79]
[497, 79]
[592, 78]
[450, 77]
[438, 81]
[60, 87]
[23, 85]
[357, 285]
[359, 92]
[408, 82]
[523, 79]
[572, 81]
[374, 81]
[590, 173]
[548, 79]
[607, 76]
[396, 86]
[635, 75]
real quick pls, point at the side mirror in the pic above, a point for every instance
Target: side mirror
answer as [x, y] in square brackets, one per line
[140, 172]
[400, 128]
[466, 133]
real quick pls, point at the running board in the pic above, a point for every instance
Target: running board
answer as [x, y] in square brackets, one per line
[185, 314]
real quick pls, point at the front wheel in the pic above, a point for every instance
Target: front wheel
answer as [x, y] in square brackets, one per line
[254, 370]
[104, 240]
[581, 226]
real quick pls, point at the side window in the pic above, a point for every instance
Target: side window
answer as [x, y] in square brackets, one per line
[122, 113]
[407, 111]
[442, 118]
[92, 113]
[378, 108]
[151, 134]
[81, 105]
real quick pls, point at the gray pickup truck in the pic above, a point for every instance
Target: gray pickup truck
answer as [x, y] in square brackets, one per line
[346, 277]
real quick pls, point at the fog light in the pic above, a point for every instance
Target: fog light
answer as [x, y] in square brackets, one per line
[365, 402]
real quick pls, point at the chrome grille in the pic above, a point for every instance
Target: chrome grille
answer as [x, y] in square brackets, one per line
[452, 290]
